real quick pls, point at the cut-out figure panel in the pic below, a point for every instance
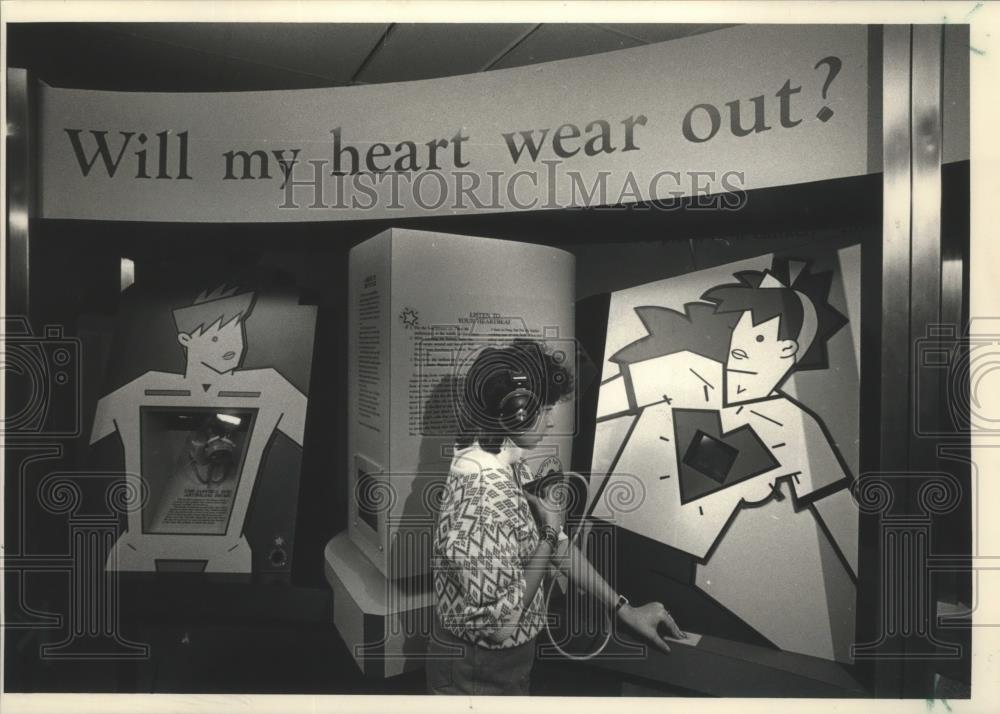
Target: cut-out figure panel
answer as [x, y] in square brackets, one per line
[194, 441]
[706, 365]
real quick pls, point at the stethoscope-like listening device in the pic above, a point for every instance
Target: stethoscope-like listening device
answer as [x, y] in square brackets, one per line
[517, 411]
[573, 489]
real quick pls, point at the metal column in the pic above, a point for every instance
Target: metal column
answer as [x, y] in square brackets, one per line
[905, 647]
[20, 187]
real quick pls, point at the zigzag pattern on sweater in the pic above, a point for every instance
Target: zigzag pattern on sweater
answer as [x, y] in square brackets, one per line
[484, 534]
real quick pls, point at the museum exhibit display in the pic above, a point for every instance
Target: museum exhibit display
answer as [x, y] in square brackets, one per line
[195, 441]
[410, 342]
[268, 300]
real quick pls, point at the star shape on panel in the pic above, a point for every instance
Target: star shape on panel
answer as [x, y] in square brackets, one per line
[410, 317]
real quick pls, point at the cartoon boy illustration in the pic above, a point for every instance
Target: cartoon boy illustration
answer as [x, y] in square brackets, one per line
[714, 434]
[234, 415]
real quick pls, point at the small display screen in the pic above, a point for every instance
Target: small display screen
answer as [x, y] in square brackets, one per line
[366, 490]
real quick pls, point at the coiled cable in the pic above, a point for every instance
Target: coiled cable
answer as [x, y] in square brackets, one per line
[573, 539]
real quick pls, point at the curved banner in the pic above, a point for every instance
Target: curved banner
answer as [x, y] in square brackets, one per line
[711, 115]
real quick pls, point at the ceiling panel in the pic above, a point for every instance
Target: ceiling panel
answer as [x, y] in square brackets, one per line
[86, 56]
[662, 32]
[246, 56]
[331, 51]
[421, 51]
[561, 41]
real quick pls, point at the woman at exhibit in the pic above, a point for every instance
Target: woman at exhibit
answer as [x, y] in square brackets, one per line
[494, 542]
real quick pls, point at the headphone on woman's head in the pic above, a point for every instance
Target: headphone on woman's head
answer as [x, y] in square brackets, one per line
[504, 391]
[518, 409]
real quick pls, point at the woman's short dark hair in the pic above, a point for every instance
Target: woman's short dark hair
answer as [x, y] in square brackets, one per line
[495, 373]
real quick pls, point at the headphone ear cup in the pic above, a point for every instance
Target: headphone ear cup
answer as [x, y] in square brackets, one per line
[518, 409]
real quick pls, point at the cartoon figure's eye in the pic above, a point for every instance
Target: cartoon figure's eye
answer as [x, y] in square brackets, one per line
[216, 339]
[760, 338]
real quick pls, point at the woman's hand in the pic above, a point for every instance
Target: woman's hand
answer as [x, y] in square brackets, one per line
[546, 512]
[651, 621]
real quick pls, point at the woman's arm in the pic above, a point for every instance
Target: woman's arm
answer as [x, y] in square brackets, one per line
[645, 619]
[538, 564]
[534, 571]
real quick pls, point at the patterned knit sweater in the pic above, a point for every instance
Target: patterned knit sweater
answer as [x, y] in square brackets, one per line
[485, 534]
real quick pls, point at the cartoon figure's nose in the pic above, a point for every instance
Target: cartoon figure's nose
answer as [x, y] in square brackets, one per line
[229, 355]
[739, 354]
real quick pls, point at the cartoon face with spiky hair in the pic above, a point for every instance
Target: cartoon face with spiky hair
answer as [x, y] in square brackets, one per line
[783, 323]
[761, 328]
[211, 329]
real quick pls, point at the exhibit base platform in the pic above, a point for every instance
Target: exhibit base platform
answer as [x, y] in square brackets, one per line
[384, 623]
[718, 667]
[173, 553]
